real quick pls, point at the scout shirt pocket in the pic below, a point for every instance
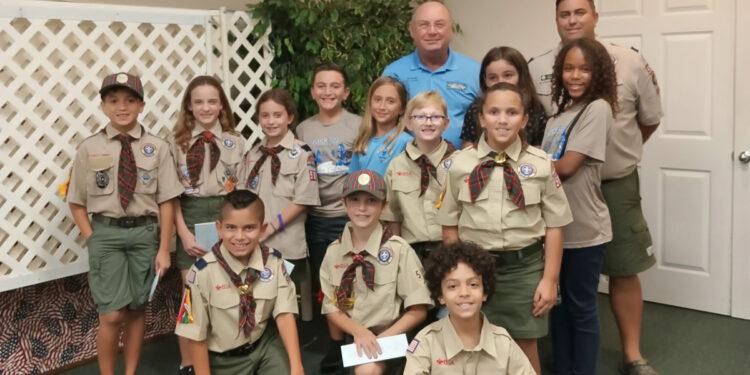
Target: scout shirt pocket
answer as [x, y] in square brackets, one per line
[532, 197]
[477, 214]
[265, 297]
[386, 273]
[224, 301]
[101, 176]
[147, 173]
[287, 178]
[406, 186]
[228, 166]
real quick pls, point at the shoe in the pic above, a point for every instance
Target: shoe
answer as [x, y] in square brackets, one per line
[639, 367]
[187, 370]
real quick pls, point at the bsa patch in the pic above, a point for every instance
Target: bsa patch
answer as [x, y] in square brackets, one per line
[558, 183]
[191, 277]
[266, 275]
[363, 179]
[122, 78]
[526, 170]
[614, 60]
[384, 256]
[184, 171]
[146, 177]
[412, 346]
[313, 175]
[546, 77]
[148, 150]
[294, 153]
[102, 179]
[311, 160]
[447, 163]
[228, 144]
[456, 86]
[227, 173]
[254, 183]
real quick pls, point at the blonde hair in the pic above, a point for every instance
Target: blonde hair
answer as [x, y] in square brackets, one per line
[367, 129]
[425, 99]
[183, 130]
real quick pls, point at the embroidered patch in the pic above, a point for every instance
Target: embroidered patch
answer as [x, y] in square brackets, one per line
[526, 170]
[228, 172]
[254, 183]
[122, 78]
[266, 275]
[363, 179]
[146, 177]
[456, 86]
[222, 287]
[447, 163]
[228, 144]
[445, 362]
[384, 256]
[294, 153]
[407, 173]
[412, 346]
[342, 265]
[546, 77]
[184, 170]
[102, 179]
[311, 160]
[148, 150]
[614, 60]
[313, 176]
[558, 183]
[191, 277]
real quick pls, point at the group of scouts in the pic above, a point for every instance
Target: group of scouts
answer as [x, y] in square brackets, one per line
[364, 202]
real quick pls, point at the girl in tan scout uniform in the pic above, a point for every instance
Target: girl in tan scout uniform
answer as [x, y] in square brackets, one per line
[208, 153]
[281, 170]
[506, 197]
[414, 182]
[585, 90]
[461, 277]
[370, 276]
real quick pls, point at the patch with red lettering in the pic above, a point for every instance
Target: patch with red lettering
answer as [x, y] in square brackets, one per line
[407, 173]
[558, 183]
[313, 175]
[412, 346]
[337, 266]
[466, 180]
[222, 287]
[445, 362]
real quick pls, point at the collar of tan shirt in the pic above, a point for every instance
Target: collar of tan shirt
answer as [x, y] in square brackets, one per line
[112, 132]
[513, 151]
[255, 262]
[287, 142]
[453, 345]
[373, 243]
[413, 152]
[215, 130]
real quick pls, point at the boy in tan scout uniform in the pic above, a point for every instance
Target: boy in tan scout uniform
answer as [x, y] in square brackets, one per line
[413, 180]
[461, 276]
[233, 291]
[638, 116]
[368, 276]
[505, 196]
[126, 179]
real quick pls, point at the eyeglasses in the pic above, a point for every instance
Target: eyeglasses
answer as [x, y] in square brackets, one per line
[422, 119]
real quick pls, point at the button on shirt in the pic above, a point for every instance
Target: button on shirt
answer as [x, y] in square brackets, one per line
[457, 81]
[398, 281]
[639, 102]
[493, 221]
[216, 301]
[439, 350]
[93, 179]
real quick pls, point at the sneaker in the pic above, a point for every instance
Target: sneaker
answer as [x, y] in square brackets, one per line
[187, 370]
[639, 367]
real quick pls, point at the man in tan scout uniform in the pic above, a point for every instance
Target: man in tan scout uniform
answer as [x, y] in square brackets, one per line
[126, 179]
[369, 274]
[232, 292]
[638, 117]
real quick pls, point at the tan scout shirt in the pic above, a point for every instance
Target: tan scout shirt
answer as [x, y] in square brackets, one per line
[211, 183]
[638, 99]
[402, 180]
[439, 351]
[100, 153]
[297, 183]
[493, 221]
[216, 301]
[398, 279]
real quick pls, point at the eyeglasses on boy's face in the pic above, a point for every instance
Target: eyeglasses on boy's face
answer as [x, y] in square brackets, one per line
[422, 119]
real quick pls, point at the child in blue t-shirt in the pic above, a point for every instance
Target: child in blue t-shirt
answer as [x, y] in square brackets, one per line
[381, 136]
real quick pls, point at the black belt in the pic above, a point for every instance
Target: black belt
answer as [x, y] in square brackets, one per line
[125, 221]
[505, 257]
[238, 351]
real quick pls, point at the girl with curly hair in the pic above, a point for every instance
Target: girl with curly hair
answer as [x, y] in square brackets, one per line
[584, 88]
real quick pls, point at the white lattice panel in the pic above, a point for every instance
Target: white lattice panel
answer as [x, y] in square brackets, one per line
[52, 59]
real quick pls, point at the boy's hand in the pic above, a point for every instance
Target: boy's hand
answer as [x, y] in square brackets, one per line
[192, 247]
[545, 297]
[162, 262]
[366, 341]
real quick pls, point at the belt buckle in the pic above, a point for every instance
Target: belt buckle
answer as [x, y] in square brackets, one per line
[126, 222]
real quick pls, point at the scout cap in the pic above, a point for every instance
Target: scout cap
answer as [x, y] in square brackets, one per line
[367, 181]
[123, 80]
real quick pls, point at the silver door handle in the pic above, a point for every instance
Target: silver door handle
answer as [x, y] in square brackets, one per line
[744, 157]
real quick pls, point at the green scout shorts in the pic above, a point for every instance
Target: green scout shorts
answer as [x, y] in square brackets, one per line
[512, 305]
[196, 210]
[627, 254]
[267, 357]
[121, 264]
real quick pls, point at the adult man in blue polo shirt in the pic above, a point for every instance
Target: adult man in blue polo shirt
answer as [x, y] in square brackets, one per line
[435, 66]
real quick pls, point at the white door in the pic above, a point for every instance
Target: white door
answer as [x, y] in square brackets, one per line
[741, 246]
[687, 168]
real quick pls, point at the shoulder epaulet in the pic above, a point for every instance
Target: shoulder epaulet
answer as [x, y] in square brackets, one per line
[635, 49]
[200, 263]
[306, 148]
[536, 152]
[276, 253]
[500, 331]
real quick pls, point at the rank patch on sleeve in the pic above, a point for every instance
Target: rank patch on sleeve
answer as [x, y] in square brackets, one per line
[412, 346]
[313, 175]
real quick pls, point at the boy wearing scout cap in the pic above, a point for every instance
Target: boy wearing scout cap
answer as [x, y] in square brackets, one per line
[233, 291]
[414, 182]
[126, 179]
[368, 274]
[461, 276]
[505, 196]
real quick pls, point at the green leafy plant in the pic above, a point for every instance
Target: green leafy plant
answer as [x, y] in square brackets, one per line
[363, 36]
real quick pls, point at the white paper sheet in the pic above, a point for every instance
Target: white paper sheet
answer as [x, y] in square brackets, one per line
[289, 266]
[206, 235]
[153, 287]
[392, 347]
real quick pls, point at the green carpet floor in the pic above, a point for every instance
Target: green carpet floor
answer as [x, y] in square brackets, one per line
[676, 341]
